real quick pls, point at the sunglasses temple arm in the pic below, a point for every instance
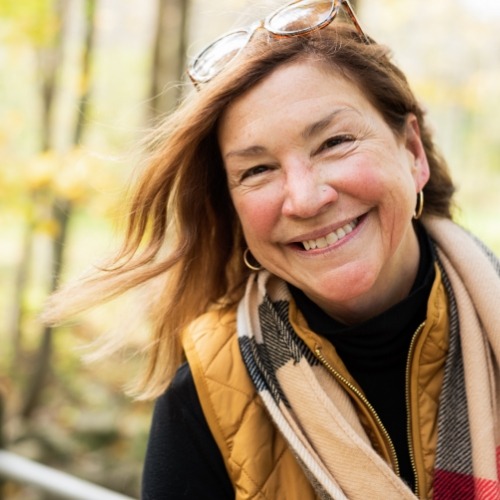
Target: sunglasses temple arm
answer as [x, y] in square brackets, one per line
[350, 12]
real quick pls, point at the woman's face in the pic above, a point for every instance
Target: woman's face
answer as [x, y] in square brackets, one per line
[324, 190]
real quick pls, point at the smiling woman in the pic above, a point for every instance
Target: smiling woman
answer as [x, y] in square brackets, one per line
[356, 354]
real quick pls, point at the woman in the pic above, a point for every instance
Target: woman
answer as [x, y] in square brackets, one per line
[333, 333]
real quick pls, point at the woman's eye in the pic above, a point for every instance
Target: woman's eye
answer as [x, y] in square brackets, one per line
[332, 142]
[251, 172]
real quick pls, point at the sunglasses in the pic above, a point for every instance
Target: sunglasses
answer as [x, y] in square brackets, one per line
[294, 19]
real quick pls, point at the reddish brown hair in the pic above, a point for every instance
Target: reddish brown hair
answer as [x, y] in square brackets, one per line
[182, 228]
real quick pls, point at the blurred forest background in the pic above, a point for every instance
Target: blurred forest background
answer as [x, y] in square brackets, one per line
[80, 83]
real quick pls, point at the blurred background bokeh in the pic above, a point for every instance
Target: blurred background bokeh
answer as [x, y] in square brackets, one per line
[81, 81]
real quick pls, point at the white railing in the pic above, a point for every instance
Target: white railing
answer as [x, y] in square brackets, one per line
[21, 470]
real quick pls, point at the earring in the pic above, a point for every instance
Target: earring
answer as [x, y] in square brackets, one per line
[419, 208]
[246, 260]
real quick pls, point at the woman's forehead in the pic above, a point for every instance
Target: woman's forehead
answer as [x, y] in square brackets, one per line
[306, 76]
[306, 91]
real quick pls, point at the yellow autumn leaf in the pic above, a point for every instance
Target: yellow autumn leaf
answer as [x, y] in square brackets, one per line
[49, 227]
[41, 170]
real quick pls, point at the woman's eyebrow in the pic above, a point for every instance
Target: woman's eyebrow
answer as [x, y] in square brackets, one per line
[320, 125]
[246, 152]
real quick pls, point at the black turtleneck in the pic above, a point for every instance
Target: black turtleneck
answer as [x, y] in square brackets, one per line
[375, 351]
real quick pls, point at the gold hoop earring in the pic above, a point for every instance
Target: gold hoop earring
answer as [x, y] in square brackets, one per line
[419, 208]
[253, 267]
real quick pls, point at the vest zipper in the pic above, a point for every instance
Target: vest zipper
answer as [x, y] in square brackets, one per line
[359, 394]
[408, 406]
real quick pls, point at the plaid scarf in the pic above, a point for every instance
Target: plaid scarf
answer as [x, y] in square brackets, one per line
[317, 418]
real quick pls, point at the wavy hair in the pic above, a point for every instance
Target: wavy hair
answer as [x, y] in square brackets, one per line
[183, 237]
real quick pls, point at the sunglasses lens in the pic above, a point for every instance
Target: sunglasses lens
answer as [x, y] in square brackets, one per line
[215, 57]
[300, 17]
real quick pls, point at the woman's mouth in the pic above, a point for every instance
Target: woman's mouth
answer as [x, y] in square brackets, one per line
[332, 237]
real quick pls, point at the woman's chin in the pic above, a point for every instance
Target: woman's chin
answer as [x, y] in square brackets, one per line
[342, 291]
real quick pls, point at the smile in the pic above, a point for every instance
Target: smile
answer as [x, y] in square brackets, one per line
[330, 238]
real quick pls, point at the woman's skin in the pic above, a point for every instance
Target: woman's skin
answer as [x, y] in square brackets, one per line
[324, 190]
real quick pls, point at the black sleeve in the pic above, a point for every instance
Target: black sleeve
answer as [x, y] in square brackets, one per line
[182, 458]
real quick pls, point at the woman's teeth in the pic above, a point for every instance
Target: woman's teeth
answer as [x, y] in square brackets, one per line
[330, 238]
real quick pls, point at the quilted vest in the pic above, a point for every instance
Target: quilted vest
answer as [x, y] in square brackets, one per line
[257, 458]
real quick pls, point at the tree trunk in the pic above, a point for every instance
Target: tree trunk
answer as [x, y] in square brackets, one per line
[17, 311]
[62, 211]
[169, 51]
[48, 58]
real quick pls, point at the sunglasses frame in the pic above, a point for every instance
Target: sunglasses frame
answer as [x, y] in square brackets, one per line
[336, 5]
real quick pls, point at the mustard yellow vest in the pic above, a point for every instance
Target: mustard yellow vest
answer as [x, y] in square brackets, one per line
[256, 456]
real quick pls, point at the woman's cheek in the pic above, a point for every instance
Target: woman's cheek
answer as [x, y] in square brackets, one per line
[258, 214]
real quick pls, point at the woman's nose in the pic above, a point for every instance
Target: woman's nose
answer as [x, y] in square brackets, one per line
[306, 193]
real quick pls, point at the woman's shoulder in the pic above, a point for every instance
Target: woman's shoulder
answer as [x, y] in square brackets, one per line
[220, 319]
[181, 447]
[181, 393]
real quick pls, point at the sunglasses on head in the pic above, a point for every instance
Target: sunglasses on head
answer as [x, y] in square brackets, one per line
[294, 19]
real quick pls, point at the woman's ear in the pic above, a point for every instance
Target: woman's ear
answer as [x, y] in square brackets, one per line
[413, 143]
